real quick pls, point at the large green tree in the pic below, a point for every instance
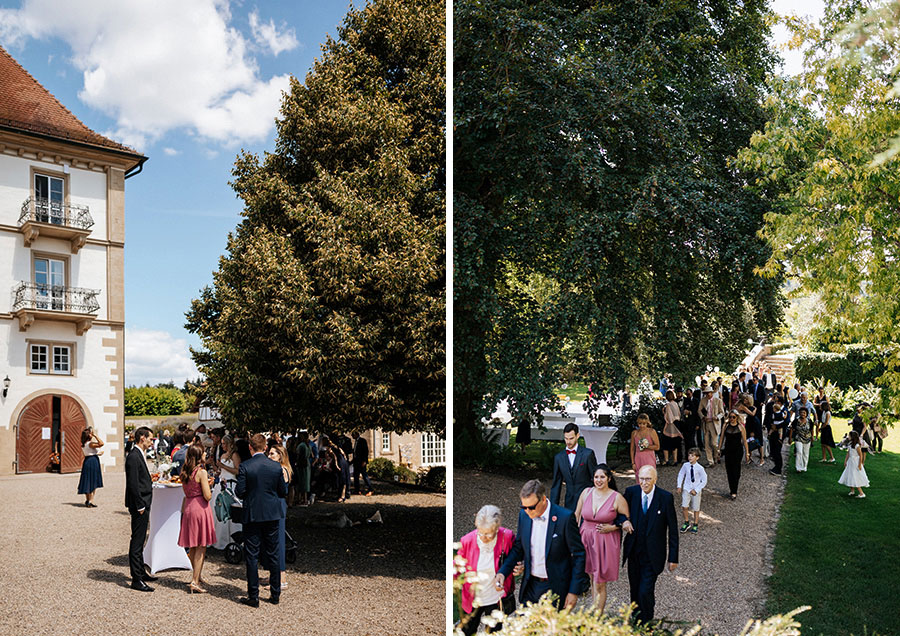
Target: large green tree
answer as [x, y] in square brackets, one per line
[829, 171]
[328, 309]
[597, 221]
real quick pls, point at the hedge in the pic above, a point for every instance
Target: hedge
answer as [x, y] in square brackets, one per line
[842, 369]
[148, 400]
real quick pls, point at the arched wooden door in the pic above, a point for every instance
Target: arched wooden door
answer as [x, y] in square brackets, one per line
[33, 445]
[71, 424]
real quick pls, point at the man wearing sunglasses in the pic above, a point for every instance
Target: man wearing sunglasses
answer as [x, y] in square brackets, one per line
[548, 540]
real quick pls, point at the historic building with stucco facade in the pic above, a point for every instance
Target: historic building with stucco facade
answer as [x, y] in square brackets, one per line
[62, 313]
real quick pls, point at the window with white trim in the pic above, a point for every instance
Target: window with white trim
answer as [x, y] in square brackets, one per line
[385, 442]
[61, 360]
[39, 359]
[49, 196]
[50, 358]
[433, 449]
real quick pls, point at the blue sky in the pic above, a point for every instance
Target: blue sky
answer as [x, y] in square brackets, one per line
[189, 84]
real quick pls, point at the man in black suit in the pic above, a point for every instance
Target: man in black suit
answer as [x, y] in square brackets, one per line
[652, 516]
[548, 541]
[360, 461]
[262, 487]
[138, 497]
[574, 465]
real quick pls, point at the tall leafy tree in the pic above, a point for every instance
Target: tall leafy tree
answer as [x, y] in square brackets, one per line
[597, 221]
[828, 168]
[328, 309]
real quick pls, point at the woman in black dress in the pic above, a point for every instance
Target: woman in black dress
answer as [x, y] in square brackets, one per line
[734, 443]
[827, 436]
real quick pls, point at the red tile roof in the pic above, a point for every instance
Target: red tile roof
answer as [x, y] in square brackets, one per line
[27, 106]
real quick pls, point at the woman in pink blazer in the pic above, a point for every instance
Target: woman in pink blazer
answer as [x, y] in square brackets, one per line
[484, 549]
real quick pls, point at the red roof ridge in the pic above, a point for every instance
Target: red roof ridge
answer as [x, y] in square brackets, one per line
[25, 104]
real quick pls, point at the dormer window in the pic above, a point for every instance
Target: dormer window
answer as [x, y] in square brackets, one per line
[49, 199]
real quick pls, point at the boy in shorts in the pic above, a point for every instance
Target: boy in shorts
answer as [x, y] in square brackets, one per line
[691, 481]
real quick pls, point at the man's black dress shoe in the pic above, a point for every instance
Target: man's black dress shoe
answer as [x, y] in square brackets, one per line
[274, 600]
[249, 602]
[149, 579]
[140, 586]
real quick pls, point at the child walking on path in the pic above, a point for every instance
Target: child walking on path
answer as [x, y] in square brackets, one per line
[691, 481]
[854, 474]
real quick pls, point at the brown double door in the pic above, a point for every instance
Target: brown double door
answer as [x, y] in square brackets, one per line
[50, 423]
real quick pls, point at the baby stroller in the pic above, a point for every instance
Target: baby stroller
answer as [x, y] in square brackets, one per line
[234, 551]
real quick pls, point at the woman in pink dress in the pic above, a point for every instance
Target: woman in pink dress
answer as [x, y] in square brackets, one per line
[644, 444]
[198, 529]
[597, 509]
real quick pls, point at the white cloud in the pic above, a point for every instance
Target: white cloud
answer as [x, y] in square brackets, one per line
[152, 357]
[171, 151]
[267, 35]
[162, 65]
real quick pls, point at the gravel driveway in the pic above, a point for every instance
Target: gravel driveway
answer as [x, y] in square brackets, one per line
[64, 570]
[720, 580]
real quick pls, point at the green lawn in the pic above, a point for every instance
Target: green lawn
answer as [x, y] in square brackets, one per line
[840, 554]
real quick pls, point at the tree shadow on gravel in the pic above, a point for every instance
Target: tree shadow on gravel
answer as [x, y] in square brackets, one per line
[408, 545]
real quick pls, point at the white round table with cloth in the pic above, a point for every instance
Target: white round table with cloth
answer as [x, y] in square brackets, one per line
[597, 439]
[162, 551]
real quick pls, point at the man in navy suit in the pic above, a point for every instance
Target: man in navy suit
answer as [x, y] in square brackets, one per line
[574, 466]
[547, 538]
[652, 516]
[262, 487]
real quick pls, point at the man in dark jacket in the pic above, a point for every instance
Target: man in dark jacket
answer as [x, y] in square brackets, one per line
[138, 497]
[261, 485]
[360, 461]
[652, 518]
[574, 466]
[549, 543]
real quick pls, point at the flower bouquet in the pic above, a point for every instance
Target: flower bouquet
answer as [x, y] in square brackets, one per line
[643, 443]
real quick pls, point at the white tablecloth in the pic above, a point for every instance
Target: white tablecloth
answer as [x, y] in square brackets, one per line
[162, 550]
[597, 439]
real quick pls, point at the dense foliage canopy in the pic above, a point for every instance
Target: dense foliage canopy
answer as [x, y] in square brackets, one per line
[598, 224]
[828, 170]
[328, 310]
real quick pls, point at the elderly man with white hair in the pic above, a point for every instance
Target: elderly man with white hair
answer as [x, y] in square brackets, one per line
[484, 549]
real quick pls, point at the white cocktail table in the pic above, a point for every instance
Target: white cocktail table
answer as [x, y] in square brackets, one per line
[597, 439]
[162, 550]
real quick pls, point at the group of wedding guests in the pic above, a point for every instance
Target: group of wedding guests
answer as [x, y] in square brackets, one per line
[756, 415]
[561, 548]
[558, 547]
[263, 474]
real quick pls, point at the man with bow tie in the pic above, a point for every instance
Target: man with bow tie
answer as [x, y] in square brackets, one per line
[574, 466]
[548, 541]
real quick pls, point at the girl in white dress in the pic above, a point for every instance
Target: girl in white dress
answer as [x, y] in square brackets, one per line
[854, 474]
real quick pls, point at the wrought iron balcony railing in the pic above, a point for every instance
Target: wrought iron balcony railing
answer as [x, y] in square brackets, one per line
[55, 213]
[42, 297]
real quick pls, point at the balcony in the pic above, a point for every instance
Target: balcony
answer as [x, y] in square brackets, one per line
[34, 301]
[41, 217]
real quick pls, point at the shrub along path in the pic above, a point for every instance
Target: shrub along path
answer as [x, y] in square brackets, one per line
[840, 554]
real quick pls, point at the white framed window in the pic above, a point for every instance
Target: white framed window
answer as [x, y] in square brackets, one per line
[50, 358]
[50, 282]
[39, 358]
[433, 449]
[49, 198]
[385, 442]
[61, 360]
